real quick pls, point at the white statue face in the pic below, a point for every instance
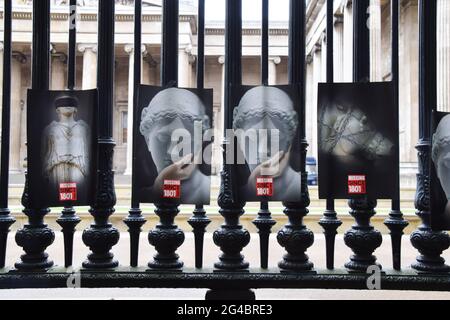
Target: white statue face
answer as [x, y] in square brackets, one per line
[66, 111]
[264, 150]
[160, 144]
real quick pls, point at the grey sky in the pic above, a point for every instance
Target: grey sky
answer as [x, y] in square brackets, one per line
[251, 10]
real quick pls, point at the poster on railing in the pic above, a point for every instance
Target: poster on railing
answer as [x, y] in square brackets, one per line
[62, 147]
[266, 126]
[358, 141]
[172, 154]
[440, 171]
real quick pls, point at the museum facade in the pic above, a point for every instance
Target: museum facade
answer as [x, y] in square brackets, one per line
[379, 24]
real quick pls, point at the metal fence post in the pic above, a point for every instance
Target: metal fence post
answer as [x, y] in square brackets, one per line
[295, 237]
[330, 222]
[362, 238]
[36, 236]
[167, 237]
[6, 220]
[68, 219]
[199, 221]
[395, 221]
[429, 243]
[135, 220]
[102, 236]
[264, 221]
[231, 237]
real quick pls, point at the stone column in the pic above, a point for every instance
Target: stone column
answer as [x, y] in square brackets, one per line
[220, 120]
[339, 48]
[409, 88]
[310, 104]
[58, 69]
[443, 54]
[375, 41]
[16, 111]
[89, 65]
[323, 59]
[348, 42]
[129, 48]
[273, 62]
[184, 68]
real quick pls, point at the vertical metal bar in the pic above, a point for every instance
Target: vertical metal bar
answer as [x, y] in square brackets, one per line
[362, 209]
[429, 243]
[6, 220]
[265, 43]
[264, 221]
[199, 221]
[167, 237]
[169, 49]
[330, 221]
[71, 75]
[395, 221]
[231, 206]
[135, 219]
[103, 208]
[68, 219]
[36, 241]
[295, 237]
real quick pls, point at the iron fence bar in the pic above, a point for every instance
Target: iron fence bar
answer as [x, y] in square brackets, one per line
[395, 221]
[264, 221]
[231, 206]
[36, 236]
[429, 243]
[101, 236]
[362, 209]
[199, 221]
[68, 219]
[135, 220]
[330, 222]
[167, 237]
[295, 237]
[6, 220]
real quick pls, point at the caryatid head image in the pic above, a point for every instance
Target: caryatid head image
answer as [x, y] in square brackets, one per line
[441, 156]
[173, 111]
[267, 119]
[66, 145]
[345, 130]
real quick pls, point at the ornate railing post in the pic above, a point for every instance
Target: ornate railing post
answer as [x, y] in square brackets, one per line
[35, 236]
[199, 220]
[135, 220]
[264, 221]
[362, 238]
[395, 221]
[430, 243]
[167, 237]
[69, 219]
[295, 237]
[6, 220]
[330, 222]
[102, 236]
[231, 237]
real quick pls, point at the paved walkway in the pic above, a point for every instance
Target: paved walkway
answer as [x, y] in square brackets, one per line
[251, 252]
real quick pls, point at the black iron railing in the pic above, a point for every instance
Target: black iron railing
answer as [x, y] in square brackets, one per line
[231, 276]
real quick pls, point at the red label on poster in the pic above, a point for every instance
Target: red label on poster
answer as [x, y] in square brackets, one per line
[264, 187]
[68, 191]
[357, 184]
[172, 189]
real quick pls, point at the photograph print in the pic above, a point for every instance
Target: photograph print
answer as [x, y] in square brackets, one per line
[62, 147]
[440, 171]
[266, 126]
[172, 158]
[358, 141]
